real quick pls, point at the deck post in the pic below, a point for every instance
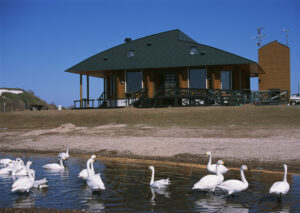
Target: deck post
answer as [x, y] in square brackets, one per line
[88, 90]
[80, 90]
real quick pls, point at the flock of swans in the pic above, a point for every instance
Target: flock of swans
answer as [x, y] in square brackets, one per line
[24, 177]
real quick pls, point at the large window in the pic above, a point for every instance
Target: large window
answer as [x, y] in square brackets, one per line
[197, 78]
[133, 81]
[226, 79]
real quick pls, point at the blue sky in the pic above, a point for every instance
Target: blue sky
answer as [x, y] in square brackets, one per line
[40, 39]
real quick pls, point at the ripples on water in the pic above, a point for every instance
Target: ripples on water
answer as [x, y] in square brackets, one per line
[127, 189]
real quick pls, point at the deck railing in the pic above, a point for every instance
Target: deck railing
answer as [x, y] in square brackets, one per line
[133, 98]
[102, 100]
[84, 103]
[193, 97]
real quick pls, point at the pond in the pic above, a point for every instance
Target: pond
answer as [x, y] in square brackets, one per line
[127, 189]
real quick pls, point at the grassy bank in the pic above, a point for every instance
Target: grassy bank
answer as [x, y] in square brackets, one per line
[247, 116]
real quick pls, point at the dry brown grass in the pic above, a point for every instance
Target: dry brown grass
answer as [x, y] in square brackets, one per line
[247, 116]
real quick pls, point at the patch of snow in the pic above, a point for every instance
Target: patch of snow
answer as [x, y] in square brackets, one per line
[11, 91]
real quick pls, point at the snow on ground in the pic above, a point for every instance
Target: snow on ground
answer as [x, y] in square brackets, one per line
[11, 91]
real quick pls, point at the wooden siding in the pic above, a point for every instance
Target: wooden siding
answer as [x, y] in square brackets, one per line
[183, 78]
[274, 59]
[120, 84]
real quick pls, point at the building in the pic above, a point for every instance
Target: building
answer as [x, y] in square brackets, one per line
[164, 69]
[274, 59]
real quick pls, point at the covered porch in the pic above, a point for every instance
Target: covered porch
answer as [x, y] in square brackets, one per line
[180, 86]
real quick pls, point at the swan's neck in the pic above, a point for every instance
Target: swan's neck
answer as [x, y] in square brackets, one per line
[89, 164]
[243, 177]
[152, 176]
[67, 150]
[285, 174]
[61, 163]
[209, 160]
[92, 168]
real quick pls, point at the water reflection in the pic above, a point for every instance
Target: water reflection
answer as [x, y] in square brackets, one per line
[218, 203]
[161, 191]
[23, 201]
[95, 204]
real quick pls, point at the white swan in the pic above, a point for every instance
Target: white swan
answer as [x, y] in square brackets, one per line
[55, 166]
[5, 161]
[210, 182]
[281, 187]
[93, 180]
[64, 155]
[234, 186]
[42, 183]
[19, 169]
[7, 170]
[25, 183]
[159, 183]
[84, 173]
[213, 167]
[10, 167]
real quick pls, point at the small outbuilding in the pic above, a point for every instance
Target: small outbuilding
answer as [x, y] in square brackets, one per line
[166, 69]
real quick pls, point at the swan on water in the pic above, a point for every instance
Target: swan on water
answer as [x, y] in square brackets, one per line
[210, 182]
[7, 170]
[213, 167]
[64, 155]
[5, 162]
[13, 166]
[55, 166]
[234, 186]
[84, 173]
[281, 187]
[159, 183]
[42, 183]
[25, 183]
[93, 180]
[19, 169]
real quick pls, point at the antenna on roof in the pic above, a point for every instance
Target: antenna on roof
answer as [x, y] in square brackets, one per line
[286, 35]
[259, 36]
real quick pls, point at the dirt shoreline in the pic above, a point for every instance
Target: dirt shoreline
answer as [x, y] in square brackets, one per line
[257, 148]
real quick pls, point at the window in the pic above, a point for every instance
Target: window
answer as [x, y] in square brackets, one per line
[226, 79]
[193, 50]
[133, 81]
[197, 78]
[130, 54]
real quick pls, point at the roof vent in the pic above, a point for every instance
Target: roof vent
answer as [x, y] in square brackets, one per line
[127, 40]
[130, 54]
[149, 43]
[105, 58]
[193, 50]
[203, 52]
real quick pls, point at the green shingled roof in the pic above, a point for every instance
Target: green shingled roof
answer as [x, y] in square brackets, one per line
[162, 50]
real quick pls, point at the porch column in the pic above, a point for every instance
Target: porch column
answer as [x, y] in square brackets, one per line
[80, 90]
[88, 90]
